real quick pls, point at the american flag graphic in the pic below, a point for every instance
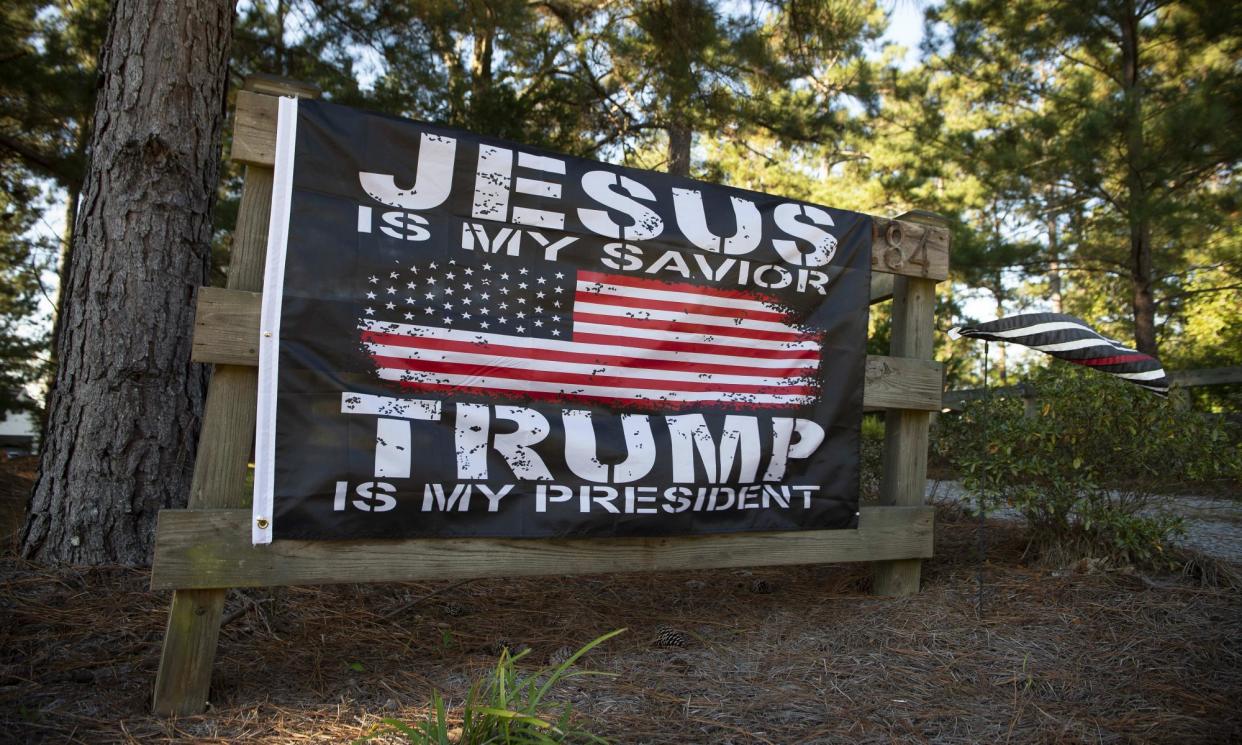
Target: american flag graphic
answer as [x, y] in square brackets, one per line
[1071, 339]
[492, 326]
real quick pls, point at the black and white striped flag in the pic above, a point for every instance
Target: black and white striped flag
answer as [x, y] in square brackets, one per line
[1068, 338]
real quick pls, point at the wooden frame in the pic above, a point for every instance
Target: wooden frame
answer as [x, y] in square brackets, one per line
[1179, 382]
[203, 550]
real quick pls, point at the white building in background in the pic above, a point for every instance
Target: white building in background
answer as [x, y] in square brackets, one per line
[19, 434]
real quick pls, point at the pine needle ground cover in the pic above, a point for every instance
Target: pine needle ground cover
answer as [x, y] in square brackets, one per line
[787, 655]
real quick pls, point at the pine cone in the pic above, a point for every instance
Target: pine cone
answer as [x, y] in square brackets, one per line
[498, 646]
[559, 655]
[667, 636]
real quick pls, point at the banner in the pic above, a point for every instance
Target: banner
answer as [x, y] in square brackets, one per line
[463, 336]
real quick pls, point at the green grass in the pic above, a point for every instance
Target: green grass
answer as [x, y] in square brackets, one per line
[506, 707]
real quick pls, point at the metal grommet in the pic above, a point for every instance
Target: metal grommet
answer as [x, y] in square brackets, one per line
[267, 333]
[262, 522]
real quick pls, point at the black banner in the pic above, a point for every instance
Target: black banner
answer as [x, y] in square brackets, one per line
[469, 337]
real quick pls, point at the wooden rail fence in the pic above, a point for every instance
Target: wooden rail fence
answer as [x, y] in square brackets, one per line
[1179, 380]
[203, 550]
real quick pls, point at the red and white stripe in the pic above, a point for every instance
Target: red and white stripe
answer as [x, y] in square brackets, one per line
[633, 340]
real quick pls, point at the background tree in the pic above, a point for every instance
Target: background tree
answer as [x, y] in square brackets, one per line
[1128, 104]
[23, 337]
[507, 68]
[783, 75]
[49, 49]
[124, 410]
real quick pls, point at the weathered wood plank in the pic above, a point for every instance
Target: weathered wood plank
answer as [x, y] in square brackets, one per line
[246, 266]
[1177, 379]
[909, 247]
[224, 449]
[881, 288]
[956, 399]
[190, 639]
[226, 332]
[905, 431]
[1207, 376]
[277, 85]
[226, 327]
[211, 548]
[254, 129]
[899, 383]
[227, 438]
[899, 246]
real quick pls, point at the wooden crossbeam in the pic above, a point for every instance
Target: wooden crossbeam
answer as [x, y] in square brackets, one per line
[1206, 376]
[226, 332]
[881, 288]
[957, 399]
[203, 549]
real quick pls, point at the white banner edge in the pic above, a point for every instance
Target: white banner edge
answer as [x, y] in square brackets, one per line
[262, 520]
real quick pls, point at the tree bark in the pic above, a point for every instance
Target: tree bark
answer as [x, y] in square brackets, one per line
[282, 62]
[481, 62]
[680, 138]
[126, 402]
[1138, 216]
[1054, 255]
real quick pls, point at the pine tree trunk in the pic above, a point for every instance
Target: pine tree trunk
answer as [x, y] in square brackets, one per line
[125, 407]
[1141, 281]
[1054, 256]
[1138, 216]
[680, 138]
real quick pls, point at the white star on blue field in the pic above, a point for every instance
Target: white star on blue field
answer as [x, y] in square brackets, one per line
[477, 293]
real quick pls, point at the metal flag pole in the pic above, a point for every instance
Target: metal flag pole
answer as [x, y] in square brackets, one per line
[983, 545]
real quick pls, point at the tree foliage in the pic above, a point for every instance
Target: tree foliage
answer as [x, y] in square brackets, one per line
[46, 95]
[1109, 122]
[22, 340]
[49, 49]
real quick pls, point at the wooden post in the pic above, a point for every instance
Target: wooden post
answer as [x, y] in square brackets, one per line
[224, 448]
[1030, 402]
[905, 431]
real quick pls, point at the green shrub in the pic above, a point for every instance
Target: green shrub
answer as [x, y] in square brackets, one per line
[1085, 466]
[507, 707]
[1130, 436]
[871, 454]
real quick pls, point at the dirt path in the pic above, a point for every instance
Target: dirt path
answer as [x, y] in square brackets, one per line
[1213, 525]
